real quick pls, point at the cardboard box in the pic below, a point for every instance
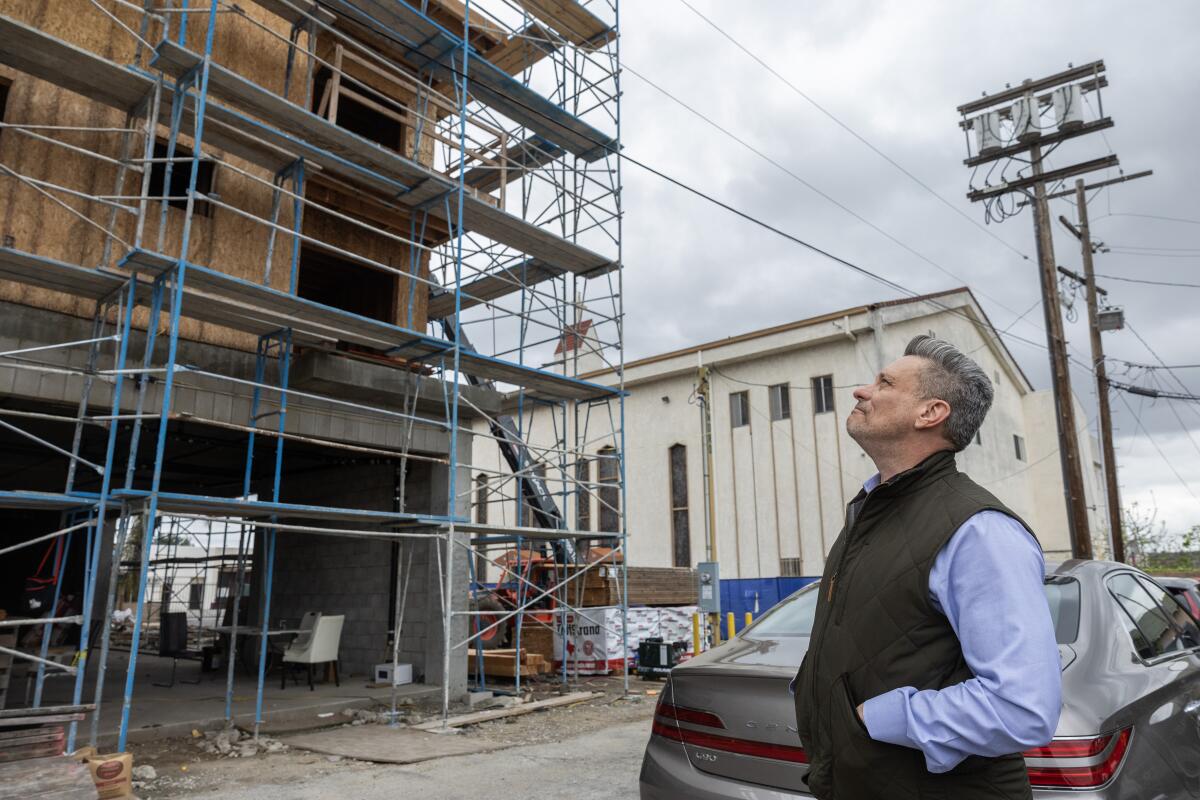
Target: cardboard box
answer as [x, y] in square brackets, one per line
[383, 674]
[112, 774]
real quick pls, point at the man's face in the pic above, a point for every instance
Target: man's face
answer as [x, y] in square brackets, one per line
[888, 409]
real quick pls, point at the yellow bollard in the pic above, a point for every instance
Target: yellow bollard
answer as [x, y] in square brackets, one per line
[715, 621]
[729, 618]
[695, 634]
[749, 618]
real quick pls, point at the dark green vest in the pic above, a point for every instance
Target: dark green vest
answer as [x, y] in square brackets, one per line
[876, 630]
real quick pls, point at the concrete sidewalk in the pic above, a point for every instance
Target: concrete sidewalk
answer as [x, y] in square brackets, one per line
[601, 765]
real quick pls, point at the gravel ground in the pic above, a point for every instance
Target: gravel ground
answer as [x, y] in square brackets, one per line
[590, 751]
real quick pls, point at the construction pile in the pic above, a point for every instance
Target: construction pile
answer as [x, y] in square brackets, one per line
[647, 586]
[503, 663]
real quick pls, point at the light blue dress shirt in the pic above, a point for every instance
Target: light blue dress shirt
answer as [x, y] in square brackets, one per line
[987, 580]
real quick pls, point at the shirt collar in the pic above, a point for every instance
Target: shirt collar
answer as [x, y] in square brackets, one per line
[871, 483]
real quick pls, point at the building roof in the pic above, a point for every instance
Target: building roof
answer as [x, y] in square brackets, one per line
[817, 320]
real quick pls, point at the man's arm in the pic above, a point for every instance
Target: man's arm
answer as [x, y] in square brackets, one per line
[988, 582]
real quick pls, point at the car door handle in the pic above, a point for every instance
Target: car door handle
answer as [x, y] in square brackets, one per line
[1192, 707]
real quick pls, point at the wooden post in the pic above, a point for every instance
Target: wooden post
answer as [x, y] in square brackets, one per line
[1106, 437]
[1064, 400]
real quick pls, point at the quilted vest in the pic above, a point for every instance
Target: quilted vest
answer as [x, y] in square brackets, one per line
[877, 629]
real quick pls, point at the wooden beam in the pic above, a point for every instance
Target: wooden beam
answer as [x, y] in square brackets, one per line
[1049, 82]
[514, 711]
[1049, 177]
[1044, 140]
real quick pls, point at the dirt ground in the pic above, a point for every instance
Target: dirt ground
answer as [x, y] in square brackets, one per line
[183, 768]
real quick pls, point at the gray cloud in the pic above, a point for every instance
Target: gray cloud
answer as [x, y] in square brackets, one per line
[895, 73]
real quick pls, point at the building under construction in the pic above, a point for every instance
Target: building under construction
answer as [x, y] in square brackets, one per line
[265, 266]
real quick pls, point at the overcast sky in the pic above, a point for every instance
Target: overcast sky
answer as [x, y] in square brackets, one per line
[894, 73]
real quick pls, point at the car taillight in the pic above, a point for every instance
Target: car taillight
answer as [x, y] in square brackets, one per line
[668, 715]
[1106, 752]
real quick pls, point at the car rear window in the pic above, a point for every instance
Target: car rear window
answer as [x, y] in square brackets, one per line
[791, 617]
[1062, 595]
[794, 616]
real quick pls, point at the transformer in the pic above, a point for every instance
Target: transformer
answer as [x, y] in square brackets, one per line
[987, 132]
[1110, 319]
[1024, 118]
[1068, 107]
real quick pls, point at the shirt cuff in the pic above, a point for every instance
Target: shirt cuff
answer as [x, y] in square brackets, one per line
[886, 718]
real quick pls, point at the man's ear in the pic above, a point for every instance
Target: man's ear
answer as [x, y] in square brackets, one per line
[934, 413]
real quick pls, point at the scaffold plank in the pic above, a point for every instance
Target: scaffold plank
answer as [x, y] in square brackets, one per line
[491, 286]
[43, 501]
[35, 53]
[441, 51]
[523, 157]
[297, 11]
[572, 21]
[257, 510]
[48, 273]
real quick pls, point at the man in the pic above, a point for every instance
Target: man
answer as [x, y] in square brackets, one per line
[933, 662]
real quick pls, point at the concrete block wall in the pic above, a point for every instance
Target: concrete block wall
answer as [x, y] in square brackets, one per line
[336, 574]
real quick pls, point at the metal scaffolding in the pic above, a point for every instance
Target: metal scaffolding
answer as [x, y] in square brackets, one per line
[500, 204]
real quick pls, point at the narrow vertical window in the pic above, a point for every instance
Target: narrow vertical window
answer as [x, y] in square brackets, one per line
[739, 409]
[781, 401]
[822, 392]
[481, 516]
[610, 491]
[681, 540]
[583, 494]
[1019, 446]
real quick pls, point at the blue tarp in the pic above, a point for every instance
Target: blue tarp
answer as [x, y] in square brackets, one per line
[756, 595]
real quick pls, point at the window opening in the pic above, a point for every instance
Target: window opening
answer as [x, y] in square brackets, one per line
[739, 409]
[681, 541]
[781, 401]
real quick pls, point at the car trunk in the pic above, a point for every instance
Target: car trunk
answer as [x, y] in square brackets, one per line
[745, 685]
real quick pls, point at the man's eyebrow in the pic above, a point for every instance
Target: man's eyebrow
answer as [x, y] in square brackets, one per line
[883, 376]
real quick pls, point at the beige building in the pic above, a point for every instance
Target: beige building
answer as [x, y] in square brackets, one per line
[784, 467]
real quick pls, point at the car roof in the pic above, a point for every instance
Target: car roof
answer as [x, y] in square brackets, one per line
[1175, 581]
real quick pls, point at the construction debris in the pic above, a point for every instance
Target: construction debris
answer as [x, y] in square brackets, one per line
[233, 743]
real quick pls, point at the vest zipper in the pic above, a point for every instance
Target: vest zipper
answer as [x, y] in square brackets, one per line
[817, 641]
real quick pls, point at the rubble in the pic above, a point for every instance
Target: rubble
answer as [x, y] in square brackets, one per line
[232, 743]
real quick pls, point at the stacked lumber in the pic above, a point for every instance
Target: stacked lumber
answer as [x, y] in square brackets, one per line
[648, 586]
[503, 663]
[36, 733]
[537, 640]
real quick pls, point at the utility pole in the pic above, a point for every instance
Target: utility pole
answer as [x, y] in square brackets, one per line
[1064, 399]
[1008, 125]
[1087, 247]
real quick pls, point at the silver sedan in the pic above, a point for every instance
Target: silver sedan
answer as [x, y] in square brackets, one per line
[1129, 729]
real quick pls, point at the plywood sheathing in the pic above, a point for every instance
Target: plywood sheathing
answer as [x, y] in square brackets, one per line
[224, 241]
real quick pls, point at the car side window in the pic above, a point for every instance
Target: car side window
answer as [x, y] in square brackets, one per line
[1176, 612]
[1125, 592]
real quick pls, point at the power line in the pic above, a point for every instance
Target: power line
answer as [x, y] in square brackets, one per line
[1151, 283]
[773, 162]
[1148, 216]
[851, 130]
[1166, 460]
[1140, 254]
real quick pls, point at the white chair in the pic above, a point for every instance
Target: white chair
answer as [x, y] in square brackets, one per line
[318, 645]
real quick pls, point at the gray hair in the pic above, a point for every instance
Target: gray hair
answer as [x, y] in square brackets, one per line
[953, 377]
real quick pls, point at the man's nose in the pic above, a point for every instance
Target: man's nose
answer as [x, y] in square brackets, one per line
[862, 393]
